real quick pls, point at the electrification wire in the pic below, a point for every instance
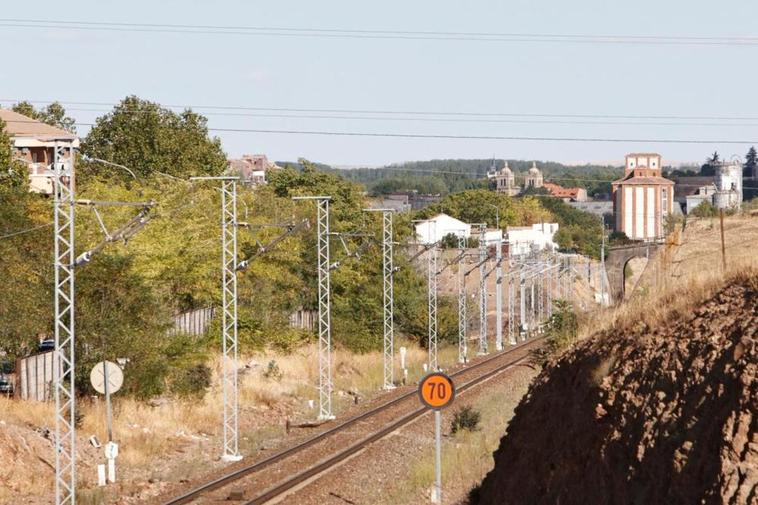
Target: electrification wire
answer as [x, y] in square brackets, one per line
[411, 112]
[436, 119]
[28, 230]
[459, 137]
[382, 34]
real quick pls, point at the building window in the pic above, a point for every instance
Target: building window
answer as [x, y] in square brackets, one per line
[664, 201]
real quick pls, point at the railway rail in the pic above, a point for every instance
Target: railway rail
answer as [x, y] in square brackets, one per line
[275, 475]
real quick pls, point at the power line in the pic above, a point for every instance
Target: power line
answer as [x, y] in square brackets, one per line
[383, 34]
[414, 112]
[481, 137]
[459, 137]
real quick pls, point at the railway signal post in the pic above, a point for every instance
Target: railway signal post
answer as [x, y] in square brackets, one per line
[437, 391]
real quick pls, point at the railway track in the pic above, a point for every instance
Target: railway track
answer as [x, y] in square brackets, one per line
[275, 475]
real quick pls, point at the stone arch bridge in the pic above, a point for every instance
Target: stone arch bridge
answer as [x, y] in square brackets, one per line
[615, 262]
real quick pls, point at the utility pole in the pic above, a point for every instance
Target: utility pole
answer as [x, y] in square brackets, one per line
[230, 382]
[482, 290]
[723, 244]
[63, 375]
[324, 308]
[602, 262]
[499, 295]
[462, 344]
[522, 303]
[388, 273]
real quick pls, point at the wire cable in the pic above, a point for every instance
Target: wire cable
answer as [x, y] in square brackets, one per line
[382, 34]
[413, 112]
[28, 230]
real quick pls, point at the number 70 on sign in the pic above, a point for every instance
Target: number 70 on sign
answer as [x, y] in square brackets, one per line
[436, 391]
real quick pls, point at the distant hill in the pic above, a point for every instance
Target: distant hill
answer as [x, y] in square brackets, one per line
[449, 176]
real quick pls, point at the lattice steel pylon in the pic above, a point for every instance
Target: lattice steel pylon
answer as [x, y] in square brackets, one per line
[482, 291]
[432, 310]
[511, 311]
[499, 296]
[63, 374]
[462, 344]
[229, 343]
[324, 308]
[522, 304]
[388, 273]
[229, 318]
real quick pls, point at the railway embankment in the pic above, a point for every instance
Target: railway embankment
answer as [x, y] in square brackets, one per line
[646, 411]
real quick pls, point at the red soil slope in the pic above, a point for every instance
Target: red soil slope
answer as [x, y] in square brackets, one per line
[664, 415]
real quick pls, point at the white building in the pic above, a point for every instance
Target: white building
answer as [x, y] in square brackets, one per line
[728, 186]
[503, 181]
[526, 239]
[434, 229]
[642, 198]
[493, 237]
[533, 177]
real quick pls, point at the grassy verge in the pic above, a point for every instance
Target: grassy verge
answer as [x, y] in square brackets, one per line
[467, 455]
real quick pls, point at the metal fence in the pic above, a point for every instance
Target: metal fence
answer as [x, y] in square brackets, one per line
[194, 322]
[35, 375]
[304, 319]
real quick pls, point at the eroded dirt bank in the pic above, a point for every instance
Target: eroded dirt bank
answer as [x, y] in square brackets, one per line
[664, 415]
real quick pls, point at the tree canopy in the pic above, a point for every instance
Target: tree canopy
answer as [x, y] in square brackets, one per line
[53, 114]
[148, 138]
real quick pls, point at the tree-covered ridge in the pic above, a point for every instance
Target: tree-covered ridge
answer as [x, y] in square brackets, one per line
[452, 175]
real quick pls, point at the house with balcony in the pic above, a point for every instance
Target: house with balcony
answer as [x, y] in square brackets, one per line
[252, 169]
[33, 143]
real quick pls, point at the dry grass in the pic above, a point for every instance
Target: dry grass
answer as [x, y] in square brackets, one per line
[161, 441]
[466, 456]
[686, 271]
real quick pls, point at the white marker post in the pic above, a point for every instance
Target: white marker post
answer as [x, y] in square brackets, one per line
[107, 378]
[436, 391]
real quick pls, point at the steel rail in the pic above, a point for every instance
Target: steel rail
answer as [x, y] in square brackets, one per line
[283, 454]
[324, 466]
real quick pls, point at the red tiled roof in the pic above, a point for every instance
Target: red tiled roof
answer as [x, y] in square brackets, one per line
[560, 191]
[645, 180]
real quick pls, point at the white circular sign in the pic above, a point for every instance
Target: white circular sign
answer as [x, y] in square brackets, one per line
[115, 377]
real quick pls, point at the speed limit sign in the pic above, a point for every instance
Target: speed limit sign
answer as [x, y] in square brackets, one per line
[436, 390]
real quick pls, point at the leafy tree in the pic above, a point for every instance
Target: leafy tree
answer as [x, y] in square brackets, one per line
[485, 206]
[709, 168]
[12, 173]
[751, 162]
[25, 269]
[148, 138]
[561, 333]
[54, 114]
[577, 230]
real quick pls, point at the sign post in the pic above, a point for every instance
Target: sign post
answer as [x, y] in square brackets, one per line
[437, 391]
[107, 378]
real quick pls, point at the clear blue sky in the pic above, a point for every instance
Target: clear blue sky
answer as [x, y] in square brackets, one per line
[422, 75]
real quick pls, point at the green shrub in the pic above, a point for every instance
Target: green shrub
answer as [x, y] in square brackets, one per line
[465, 418]
[273, 371]
[192, 381]
[705, 209]
[561, 333]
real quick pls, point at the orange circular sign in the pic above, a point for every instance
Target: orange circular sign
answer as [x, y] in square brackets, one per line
[436, 390]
